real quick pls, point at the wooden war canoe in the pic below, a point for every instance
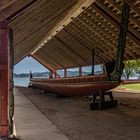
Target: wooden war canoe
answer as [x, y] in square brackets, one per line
[75, 86]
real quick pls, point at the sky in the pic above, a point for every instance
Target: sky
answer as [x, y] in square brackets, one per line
[28, 64]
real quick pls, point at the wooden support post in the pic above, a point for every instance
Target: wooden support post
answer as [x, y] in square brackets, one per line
[116, 74]
[101, 100]
[55, 74]
[11, 95]
[4, 81]
[65, 72]
[50, 74]
[80, 71]
[31, 75]
[93, 61]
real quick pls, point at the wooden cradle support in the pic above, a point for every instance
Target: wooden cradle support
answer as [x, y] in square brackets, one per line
[102, 103]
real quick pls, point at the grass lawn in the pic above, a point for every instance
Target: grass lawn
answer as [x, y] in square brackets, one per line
[131, 86]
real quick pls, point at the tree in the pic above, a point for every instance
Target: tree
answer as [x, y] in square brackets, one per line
[131, 67]
[128, 69]
[137, 68]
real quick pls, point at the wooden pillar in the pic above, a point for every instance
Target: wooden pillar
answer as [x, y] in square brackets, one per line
[93, 61]
[116, 75]
[4, 81]
[55, 74]
[65, 72]
[11, 95]
[80, 71]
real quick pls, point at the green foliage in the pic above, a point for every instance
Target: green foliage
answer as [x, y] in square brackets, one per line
[128, 69]
[137, 68]
[131, 67]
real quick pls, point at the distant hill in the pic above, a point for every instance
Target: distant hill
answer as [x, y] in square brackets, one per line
[46, 74]
[36, 74]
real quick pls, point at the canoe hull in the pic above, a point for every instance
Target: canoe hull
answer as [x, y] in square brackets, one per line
[76, 89]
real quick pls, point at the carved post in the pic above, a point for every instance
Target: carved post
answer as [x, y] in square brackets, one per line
[116, 74]
[11, 96]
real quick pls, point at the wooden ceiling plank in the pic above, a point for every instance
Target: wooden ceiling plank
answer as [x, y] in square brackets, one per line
[112, 22]
[75, 11]
[41, 18]
[13, 7]
[57, 43]
[27, 42]
[98, 31]
[90, 40]
[113, 31]
[52, 52]
[86, 43]
[89, 49]
[92, 13]
[44, 63]
[101, 27]
[62, 49]
[50, 63]
[5, 3]
[86, 36]
[20, 11]
[72, 50]
[116, 18]
[133, 6]
[57, 54]
[93, 34]
[75, 44]
[118, 6]
[48, 59]
[29, 14]
[85, 46]
[80, 46]
[56, 13]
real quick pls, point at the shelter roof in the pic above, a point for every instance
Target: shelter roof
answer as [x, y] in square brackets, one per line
[62, 33]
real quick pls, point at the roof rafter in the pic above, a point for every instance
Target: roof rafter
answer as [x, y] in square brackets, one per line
[80, 41]
[61, 48]
[117, 5]
[116, 18]
[113, 21]
[73, 51]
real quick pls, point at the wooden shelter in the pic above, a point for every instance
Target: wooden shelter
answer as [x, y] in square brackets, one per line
[61, 34]
[70, 29]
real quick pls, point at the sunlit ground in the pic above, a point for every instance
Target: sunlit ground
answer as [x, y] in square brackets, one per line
[131, 86]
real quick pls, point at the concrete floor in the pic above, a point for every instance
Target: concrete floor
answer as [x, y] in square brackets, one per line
[40, 116]
[31, 124]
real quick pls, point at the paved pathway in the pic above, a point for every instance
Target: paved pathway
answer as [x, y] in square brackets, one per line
[31, 124]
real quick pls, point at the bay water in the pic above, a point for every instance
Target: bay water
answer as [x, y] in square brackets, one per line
[21, 81]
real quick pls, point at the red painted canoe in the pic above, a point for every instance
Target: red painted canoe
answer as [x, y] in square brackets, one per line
[75, 86]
